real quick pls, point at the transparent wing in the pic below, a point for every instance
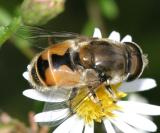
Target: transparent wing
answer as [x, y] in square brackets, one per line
[54, 123]
[37, 32]
[56, 108]
[51, 108]
[56, 95]
[41, 38]
[56, 119]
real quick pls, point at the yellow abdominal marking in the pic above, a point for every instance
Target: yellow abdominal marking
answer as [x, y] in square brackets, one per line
[90, 110]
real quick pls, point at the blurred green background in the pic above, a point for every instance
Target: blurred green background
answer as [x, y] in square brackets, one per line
[139, 18]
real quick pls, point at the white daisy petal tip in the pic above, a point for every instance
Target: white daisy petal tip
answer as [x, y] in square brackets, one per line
[29, 67]
[33, 94]
[139, 108]
[47, 96]
[138, 85]
[26, 75]
[127, 38]
[152, 83]
[148, 83]
[54, 115]
[115, 36]
[137, 121]
[27, 92]
[97, 33]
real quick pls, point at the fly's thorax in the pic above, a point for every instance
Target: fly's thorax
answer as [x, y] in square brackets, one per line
[104, 56]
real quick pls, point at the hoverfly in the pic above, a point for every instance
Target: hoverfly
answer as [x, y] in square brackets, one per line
[66, 67]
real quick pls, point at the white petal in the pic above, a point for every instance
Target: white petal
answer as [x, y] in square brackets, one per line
[115, 36]
[138, 85]
[29, 67]
[124, 127]
[137, 121]
[89, 128]
[43, 96]
[139, 108]
[78, 126]
[97, 33]
[26, 75]
[66, 126]
[108, 126]
[141, 131]
[51, 115]
[137, 97]
[127, 38]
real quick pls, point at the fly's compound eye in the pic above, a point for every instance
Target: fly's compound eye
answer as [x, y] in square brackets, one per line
[135, 60]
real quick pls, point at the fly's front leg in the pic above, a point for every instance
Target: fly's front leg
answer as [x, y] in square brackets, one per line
[106, 80]
[110, 90]
[93, 95]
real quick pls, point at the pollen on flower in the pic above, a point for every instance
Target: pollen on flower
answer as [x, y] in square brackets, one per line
[90, 110]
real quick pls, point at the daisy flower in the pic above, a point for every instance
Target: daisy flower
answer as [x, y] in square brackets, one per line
[81, 112]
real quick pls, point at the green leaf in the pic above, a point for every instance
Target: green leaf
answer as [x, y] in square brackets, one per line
[88, 28]
[5, 17]
[7, 31]
[23, 45]
[109, 8]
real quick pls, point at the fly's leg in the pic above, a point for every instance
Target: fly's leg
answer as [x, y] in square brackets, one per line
[109, 90]
[93, 95]
[73, 93]
[106, 80]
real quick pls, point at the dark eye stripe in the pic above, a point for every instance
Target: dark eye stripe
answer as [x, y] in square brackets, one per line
[135, 52]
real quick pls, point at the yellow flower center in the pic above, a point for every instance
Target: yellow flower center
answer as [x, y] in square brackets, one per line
[95, 110]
